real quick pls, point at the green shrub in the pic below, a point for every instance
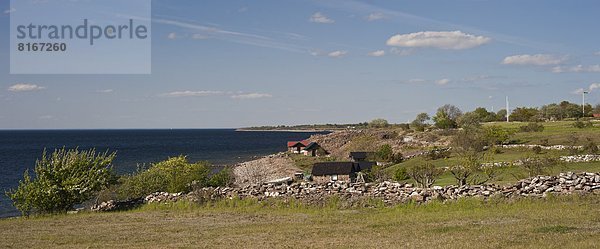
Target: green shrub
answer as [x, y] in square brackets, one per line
[590, 146]
[401, 174]
[63, 179]
[425, 174]
[581, 125]
[173, 175]
[222, 178]
[532, 127]
[537, 149]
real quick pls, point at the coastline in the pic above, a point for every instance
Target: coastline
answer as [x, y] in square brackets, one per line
[288, 130]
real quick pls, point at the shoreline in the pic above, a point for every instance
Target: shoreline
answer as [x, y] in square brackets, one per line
[287, 130]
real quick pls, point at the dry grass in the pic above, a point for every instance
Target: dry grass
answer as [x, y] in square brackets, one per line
[565, 222]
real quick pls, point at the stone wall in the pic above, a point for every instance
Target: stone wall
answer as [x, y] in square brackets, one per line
[389, 192]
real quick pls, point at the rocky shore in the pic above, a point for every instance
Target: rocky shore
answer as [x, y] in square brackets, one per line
[388, 192]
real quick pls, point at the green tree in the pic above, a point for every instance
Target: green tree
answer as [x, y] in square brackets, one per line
[378, 123]
[525, 114]
[469, 119]
[425, 174]
[385, 153]
[173, 175]
[497, 134]
[420, 121]
[446, 117]
[501, 115]
[596, 109]
[63, 179]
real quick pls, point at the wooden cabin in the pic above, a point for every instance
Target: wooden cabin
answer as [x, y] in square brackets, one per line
[338, 171]
[296, 146]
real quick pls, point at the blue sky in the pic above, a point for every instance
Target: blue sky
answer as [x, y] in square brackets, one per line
[241, 63]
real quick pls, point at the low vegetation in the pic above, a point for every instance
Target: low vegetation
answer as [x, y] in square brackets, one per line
[173, 175]
[63, 179]
[557, 222]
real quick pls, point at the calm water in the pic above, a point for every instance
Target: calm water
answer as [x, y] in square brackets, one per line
[20, 149]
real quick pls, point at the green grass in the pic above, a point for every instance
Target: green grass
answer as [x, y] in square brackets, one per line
[557, 222]
[306, 162]
[556, 132]
[505, 175]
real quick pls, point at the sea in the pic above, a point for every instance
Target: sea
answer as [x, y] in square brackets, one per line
[19, 149]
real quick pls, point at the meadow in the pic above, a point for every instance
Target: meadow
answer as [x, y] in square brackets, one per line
[555, 222]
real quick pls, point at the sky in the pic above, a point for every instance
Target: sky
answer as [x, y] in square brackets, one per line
[228, 64]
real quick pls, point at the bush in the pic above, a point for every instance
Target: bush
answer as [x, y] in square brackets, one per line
[590, 147]
[581, 125]
[376, 174]
[386, 154]
[438, 153]
[532, 127]
[470, 169]
[223, 178]
[378, 123]
[401, 174]
[537, 149]
[173, 175]
[473, 139]
[536, 165]
[62, 180]
[425, 174]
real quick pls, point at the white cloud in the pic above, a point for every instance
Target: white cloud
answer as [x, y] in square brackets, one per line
[401, 52]
[105, 91]
[375, 16]
[199, 37]
[577, 69]
[11, 10]
[414, 81]
[192, 93]
[590, 88]
[22, 87]
[597, 53]
[337, 53]
[46, 117]
[172, 36]
[251, 96]
[535, 59]
[437, 39]
[578, 91]
[442, 82]
[377, 53]
[318, 17]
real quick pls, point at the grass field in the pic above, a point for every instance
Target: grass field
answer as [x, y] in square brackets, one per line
[556, 132]
[557, 222]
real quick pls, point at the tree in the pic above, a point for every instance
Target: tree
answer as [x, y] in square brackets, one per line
[385, 153]
[470, 169]
[525, 114]
[484, 116]
[596, 109]
[537, 165]
[501, 115]
[63, 179]
[446, 117]
[425, 174]
[379, 123]
[497, 134]
[570, 110]
[420, 121]
[470, 139]
[469, 119]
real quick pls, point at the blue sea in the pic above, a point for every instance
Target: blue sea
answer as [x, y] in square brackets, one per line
[20, 149]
